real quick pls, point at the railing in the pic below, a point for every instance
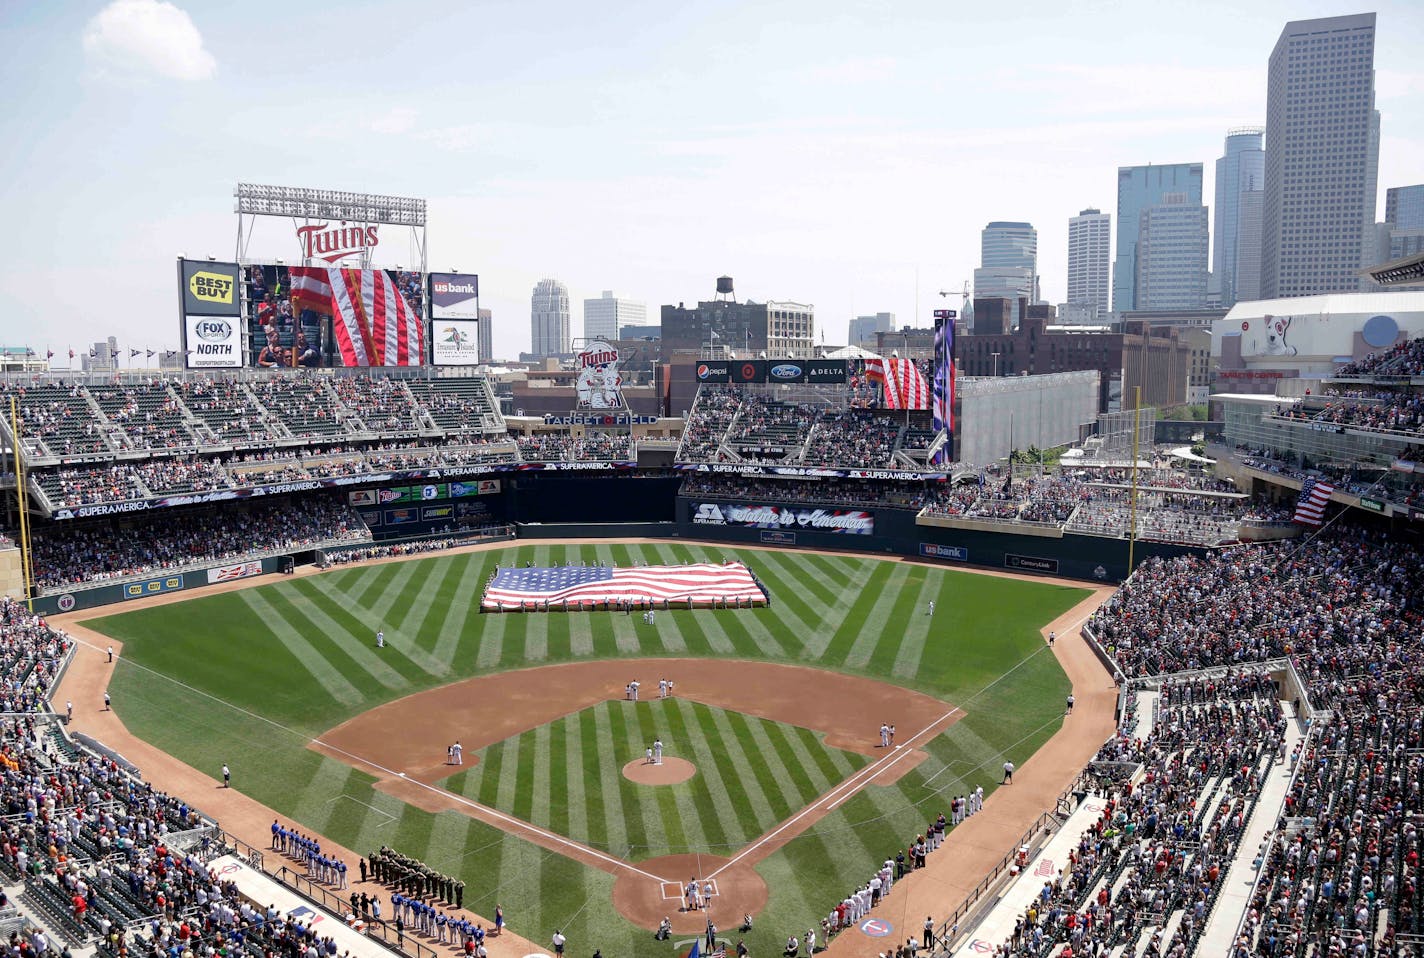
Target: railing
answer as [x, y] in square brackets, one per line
[943, 939]
[333, 904]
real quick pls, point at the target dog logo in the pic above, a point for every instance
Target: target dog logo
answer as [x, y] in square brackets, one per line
[209, 287]
[1277, 327]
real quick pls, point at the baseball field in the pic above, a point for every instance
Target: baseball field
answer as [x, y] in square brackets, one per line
[780, 790]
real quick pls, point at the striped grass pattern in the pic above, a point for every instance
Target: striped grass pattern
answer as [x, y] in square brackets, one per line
[258, 672]
[751, 774]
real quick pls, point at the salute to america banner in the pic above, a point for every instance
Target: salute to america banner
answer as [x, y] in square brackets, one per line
[532, 588]
[372, 322]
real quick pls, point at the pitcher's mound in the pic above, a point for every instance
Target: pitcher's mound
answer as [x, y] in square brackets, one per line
[670, 772]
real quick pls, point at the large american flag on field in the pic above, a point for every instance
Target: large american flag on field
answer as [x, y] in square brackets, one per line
[373, 323]
[1310, 508]
[574, 586]
[901, 381]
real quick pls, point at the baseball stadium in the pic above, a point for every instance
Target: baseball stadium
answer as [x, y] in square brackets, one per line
[339, 639]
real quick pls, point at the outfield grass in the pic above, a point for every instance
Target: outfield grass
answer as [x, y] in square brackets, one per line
[294, 658]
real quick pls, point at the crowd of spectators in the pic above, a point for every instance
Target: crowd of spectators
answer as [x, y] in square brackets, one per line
[454, 538]
[1144, 876]
[30, 657]
[59, 415]
[1351, 846]
[854, 439]
[563, 447]
[147, 415]
[760, 430]
[1347, 607]
[383, 404]
[1402, 359]
[68, 554]
[852, 493]
[706, 425]
[1391, 411]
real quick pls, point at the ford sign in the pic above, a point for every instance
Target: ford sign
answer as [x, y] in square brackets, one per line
[786, 371]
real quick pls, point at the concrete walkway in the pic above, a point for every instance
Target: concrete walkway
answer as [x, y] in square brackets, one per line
[1235, 897]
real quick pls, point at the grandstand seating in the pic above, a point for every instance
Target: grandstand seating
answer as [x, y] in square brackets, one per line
[68, 555]
[145, 416]
[1404, 359]
[458, 406]
[61, 418]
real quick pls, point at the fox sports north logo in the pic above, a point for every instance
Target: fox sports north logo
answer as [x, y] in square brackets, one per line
[214, 330]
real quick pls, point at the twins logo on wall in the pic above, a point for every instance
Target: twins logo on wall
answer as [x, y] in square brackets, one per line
[599, 383]
[848, 521]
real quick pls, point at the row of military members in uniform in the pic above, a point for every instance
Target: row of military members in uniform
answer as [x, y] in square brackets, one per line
[412, 876]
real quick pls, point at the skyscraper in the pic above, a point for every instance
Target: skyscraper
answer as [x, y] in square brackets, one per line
[1089, 260]
[1248, 246]
[1171, 255]
[1139, 187]
[605, 317]
[1009, 244]
[862, 329]
[1008, 263]
[1241, 170]
[486, 335]
[1404, 222]
[549, 319]
[1322, 157]
[1404, 207]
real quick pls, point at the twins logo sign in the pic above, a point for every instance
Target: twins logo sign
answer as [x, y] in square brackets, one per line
[599, 384]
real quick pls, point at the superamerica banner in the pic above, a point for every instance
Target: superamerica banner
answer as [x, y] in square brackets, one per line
[848, 521]
[808, 472]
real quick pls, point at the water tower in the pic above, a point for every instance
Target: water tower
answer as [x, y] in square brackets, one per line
[725, 293]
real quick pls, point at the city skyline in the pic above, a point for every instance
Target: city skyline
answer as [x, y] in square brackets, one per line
[854, 172]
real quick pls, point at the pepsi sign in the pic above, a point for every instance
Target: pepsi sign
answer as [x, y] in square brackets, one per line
[787, 373]
[713, 372]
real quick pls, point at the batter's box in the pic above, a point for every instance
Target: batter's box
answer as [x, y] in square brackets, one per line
[677, 888]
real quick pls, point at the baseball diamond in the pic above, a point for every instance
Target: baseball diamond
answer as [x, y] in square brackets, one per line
[778, 708]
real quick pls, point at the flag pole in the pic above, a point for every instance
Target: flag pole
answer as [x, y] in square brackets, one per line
[1132, 509]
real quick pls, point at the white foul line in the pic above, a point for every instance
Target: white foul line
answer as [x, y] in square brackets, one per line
[850, 786]
[485, 809]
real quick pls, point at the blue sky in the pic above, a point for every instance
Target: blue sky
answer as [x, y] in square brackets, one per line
[820, 152]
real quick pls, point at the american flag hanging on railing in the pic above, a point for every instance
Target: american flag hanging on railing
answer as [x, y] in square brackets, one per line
[1310, 508]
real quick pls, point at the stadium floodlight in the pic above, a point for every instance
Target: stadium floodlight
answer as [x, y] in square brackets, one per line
[261, 200]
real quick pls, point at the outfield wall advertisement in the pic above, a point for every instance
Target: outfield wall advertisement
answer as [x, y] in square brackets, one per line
[228, 573]
[847, 521]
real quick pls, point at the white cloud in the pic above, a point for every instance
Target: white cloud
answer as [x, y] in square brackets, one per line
[147, 37]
